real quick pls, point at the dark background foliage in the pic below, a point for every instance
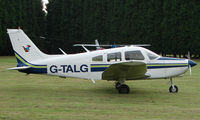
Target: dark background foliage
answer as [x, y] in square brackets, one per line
[171, 27]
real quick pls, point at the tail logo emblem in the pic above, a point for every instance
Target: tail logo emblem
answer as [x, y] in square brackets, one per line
[27, 48]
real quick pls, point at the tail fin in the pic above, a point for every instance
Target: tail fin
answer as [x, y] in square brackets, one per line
[24, 47]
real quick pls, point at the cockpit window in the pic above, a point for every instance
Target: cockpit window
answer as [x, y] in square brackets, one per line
[113, 57]
[98, 58]
[151, 56]
[134, 55]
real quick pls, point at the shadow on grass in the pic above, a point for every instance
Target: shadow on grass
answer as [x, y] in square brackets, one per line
[133, 91]
[67, 89]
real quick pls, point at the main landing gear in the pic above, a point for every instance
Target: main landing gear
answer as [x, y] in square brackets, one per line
[173, 88]
[122, 88]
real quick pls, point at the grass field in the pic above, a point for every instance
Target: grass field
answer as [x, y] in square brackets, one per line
[36, 97]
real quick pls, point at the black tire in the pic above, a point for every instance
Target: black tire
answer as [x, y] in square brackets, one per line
[117, 85]
[175, 90]
[123, 89]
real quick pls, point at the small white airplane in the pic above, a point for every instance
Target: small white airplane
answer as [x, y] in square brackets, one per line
[115, 64]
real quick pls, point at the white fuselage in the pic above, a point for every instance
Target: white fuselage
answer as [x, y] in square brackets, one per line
[85, 65]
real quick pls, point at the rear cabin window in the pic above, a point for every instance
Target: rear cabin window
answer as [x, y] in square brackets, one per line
[134, 55]
[98, 58]
[114, 57]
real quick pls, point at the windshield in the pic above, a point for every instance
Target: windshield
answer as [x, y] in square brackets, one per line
[151, 54]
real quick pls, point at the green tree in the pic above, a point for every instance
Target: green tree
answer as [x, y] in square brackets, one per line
[171, 27]
[26, 14]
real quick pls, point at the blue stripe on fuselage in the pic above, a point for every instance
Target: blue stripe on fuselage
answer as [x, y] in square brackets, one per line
[157, 67]
[19, 61]
[98, 69]
[168, 58]
[33, 69]
[149, 66]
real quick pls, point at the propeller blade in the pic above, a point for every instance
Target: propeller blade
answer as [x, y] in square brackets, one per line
[190, 69]
[188, 55]
[189, 66]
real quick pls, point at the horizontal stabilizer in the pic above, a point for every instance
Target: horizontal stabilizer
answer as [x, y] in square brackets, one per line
[19, 68]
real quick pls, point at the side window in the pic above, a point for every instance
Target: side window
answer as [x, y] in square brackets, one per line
[134, 55]
[113, 57]
[98, 58]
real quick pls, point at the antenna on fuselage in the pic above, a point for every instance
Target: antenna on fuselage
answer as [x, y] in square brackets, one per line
[85, 48]
[62, 51]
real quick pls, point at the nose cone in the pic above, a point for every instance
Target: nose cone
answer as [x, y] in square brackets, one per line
[192, 63]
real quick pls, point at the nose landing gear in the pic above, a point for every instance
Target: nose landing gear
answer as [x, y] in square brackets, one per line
[173, 88]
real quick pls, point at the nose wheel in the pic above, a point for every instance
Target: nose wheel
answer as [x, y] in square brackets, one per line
[173, 88]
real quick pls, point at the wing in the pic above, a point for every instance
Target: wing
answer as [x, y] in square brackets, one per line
[126, 70]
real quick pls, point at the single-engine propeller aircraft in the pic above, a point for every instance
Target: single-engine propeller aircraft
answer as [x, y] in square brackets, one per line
[115, 64]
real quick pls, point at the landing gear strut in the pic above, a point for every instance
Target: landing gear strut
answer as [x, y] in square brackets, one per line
[117, 84]
[173, 88]
[122, 88]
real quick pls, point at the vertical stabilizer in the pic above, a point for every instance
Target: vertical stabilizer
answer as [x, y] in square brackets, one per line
[24, 47]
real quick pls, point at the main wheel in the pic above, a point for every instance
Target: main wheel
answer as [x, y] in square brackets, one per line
[123, 89]
[173, 90]
[117, 84]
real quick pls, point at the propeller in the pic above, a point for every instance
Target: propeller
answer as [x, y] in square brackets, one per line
[189, 66]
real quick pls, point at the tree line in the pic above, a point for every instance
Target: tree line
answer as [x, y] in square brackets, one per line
[171, 27]
[26, 14]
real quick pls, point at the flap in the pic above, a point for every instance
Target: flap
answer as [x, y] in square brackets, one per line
[126, 70]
